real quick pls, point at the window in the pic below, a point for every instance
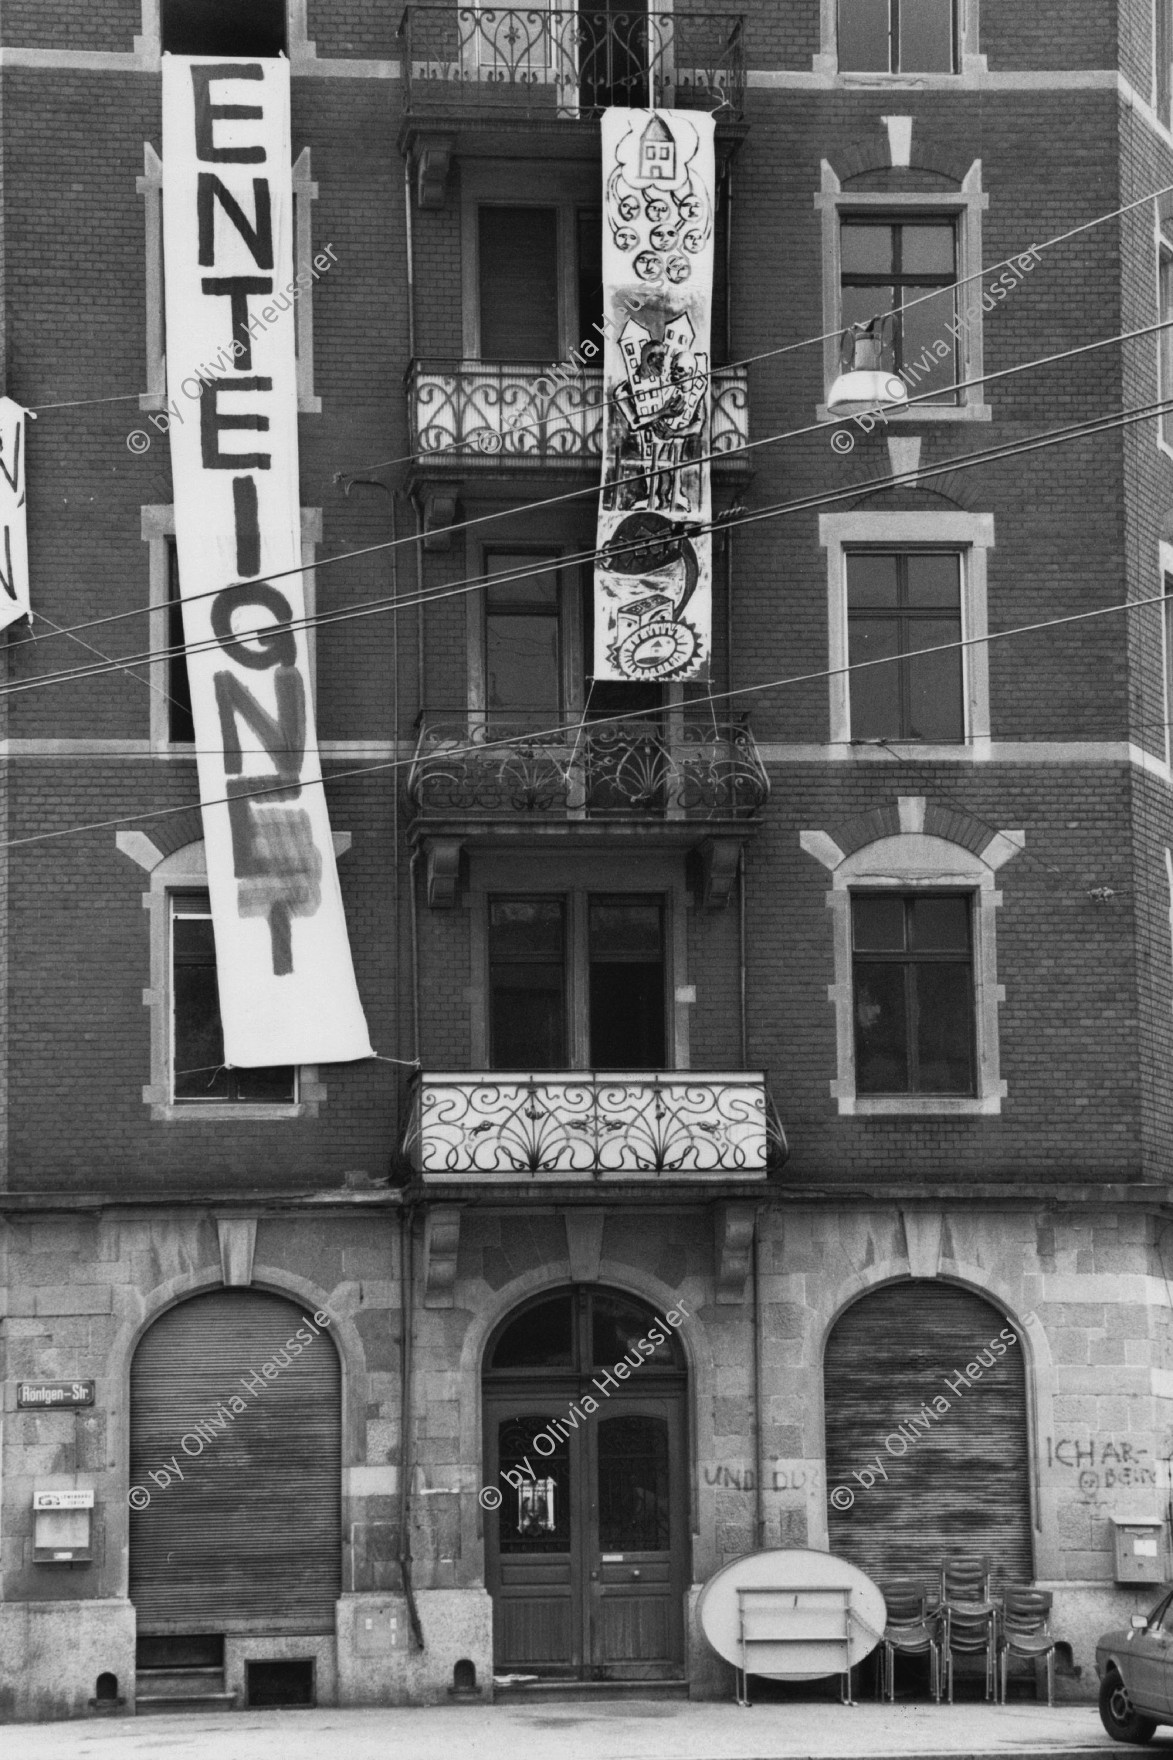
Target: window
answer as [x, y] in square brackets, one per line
[223, 27]
[912, 975]
[523, 641]
[898, 36]
[518, 256]
[1165, 337]
[180, 725]
[897, 582]
[913, 915]
[895, 606]
[626, 983]
[198, 1075]
[544, 951]
[527, 983]
[889, 267]
[1163, 59]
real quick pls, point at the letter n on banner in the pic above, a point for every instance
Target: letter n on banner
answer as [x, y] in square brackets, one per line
[14, 550]
[287, 988]
[654, 573]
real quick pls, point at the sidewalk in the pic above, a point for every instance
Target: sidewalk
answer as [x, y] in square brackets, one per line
[646, 1730]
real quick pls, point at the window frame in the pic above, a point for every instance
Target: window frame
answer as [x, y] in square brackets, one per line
[570, 644]
[968, 68]
[1164, 338]
[493, 184]
[912, 861]
[185, 870]
[1165, 612]
[971, 536]
[157, 530]
[902, 613]
[576, 877]
[298, 45]
[1162, 88]
[911, 961]
[900, 279]
[894, 42]
[305, 193]
[965, 206]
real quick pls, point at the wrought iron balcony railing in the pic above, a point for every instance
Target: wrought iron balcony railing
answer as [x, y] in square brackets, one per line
[659, 769]
[489, 412]
[687, 1125]
[570, 62]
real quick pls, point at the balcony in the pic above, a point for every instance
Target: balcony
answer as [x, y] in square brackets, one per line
[467, 415]
[576, 1127]
[567, 64]
[671, 783]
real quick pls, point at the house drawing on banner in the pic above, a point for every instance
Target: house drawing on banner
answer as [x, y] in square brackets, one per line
[657, 152]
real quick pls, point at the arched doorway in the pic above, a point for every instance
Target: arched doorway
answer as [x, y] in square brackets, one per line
[936, 1457]
[586, 1557]
[235, 1438]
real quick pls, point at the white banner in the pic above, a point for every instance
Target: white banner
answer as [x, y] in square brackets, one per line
[14, 547]
[653, 580]
[287, 989]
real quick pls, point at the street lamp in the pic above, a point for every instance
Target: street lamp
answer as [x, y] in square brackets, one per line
[864, 385]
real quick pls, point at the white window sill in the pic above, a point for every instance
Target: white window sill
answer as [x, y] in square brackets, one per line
[224, 1112]
[923, 412]
[919, 1105]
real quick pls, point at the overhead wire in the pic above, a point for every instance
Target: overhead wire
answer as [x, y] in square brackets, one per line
[721, 523]
[564, 728]
[1090, 428]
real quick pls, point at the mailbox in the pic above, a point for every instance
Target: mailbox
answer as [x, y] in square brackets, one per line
[1140, 1547]
[62, 1527]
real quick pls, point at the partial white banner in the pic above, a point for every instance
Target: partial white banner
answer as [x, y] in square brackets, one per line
[287, 987]
[14, 546]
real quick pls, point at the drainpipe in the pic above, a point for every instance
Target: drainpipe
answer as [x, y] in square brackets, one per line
[406, 1468]
[409, 240]
[415, 958]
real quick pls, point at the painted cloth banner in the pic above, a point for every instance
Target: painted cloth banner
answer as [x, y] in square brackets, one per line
[287, 989]
[653, 577]
[14, 547]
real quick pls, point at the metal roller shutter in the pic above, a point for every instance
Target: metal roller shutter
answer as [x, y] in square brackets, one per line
[962, 1485]
[251, 1534]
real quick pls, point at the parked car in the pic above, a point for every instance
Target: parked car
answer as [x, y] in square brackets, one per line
[1135, 1666]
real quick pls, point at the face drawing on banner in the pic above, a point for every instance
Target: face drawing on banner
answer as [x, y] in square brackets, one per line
[649, 571]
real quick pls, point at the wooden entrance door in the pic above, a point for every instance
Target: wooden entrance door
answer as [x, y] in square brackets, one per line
[587, 1555]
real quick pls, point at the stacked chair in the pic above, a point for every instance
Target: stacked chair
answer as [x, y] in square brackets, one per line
[958, 1617]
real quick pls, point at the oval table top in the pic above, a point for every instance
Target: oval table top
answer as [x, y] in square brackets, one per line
[791, 1603]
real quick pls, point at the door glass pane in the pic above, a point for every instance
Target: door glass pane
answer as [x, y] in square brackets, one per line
[874, 692]
[881, 1029]
[944, 1029]
[527, 1010]
[541, 1338]
[617, 1329]
[519, 284]
[627, 984]
[633, 1485]
[926, 36]
[180, 724]
[863, 36]
[589, 224]
[934, 682]
[535, 1506]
